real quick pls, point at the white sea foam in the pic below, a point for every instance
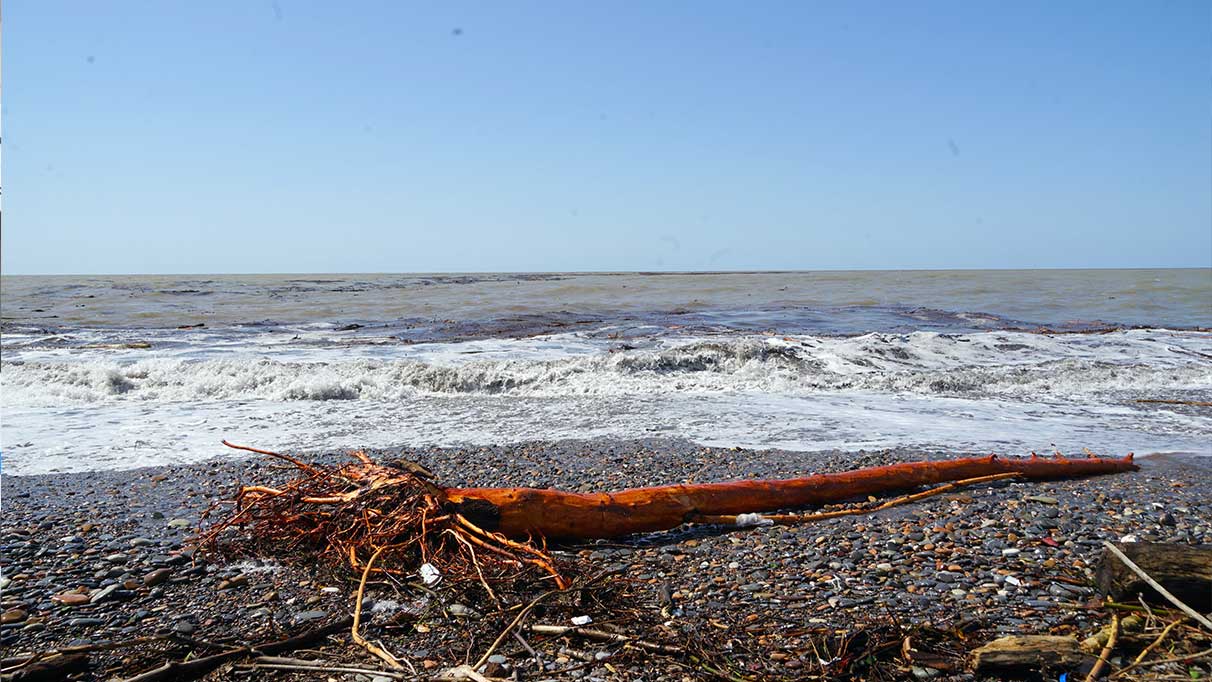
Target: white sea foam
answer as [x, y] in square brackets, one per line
[123, 407]
[1001, 364]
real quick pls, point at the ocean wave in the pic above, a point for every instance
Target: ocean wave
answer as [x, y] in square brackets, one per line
[1004, 365]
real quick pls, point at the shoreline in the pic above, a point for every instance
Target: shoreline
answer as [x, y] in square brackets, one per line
[976, 557]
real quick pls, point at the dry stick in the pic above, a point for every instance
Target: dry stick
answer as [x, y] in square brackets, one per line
[1155, 585]
[792, 519]
[187, 670]
[526, 645]
[1106, 652]
[1176, 659]
[1197, 403]
[302, 465]
[479, 572]
[605, 637]
[323, 669]
[16, 662]
[513, 624]
[357, 619]
[1149, 648]
[464, 672]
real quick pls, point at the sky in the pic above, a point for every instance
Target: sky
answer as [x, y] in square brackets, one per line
[282, 136]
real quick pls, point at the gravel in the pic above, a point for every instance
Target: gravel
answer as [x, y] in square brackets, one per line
[105, 556]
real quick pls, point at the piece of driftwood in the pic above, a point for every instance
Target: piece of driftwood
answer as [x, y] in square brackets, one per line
[1032, 654]
[197, 667]
[352, 512]
[1183, 570]
[54, 668]
[522, 512]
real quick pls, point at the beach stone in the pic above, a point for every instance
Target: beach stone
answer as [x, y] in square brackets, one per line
[237, 581]
[1042, 499]
[70, 598]
[13, 616]
[102, 594]
[184, 627]
[309, 616]
[179, 523]
[157, 577]
[85, 622]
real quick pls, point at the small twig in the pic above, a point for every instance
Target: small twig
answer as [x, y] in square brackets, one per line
[373, 648]
[529, 649]
[464, 672]
[299, 463]
[475, 562]
[1157, 586]
[512, 624]
[258, 665]
[605, 637]
[1197, 403]
[1140, 598]
[1176, 659]
[1153, 645]
[190, 669]
[1106, 652]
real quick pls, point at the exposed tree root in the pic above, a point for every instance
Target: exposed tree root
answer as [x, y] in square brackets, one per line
[361, 511]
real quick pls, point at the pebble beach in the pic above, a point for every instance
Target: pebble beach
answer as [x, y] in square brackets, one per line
[102, 557]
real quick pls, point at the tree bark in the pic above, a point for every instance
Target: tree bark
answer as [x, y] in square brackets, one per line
[1029, 654]
[1184, 570]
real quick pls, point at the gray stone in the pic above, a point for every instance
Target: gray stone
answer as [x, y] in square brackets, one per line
[184, 627]
[103, 594]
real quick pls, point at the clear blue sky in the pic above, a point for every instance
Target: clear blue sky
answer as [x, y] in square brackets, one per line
[392, 136]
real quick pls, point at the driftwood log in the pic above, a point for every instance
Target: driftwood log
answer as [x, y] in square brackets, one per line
[52, 669]
[1030, 654]
[522, 512]
[1183, 570]
[355, 512]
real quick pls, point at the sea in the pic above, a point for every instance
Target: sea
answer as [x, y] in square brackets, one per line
[115, 372]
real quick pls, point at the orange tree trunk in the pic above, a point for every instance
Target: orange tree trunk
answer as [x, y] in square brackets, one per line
[519, 512]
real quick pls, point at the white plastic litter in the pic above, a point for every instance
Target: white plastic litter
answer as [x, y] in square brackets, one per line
[1128, 538]
[581, 620]
[752, 520]
[429, 574]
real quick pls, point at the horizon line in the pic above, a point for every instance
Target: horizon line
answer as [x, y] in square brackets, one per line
[744, 271]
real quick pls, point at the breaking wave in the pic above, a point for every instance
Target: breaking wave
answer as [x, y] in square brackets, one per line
[1004, 365]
